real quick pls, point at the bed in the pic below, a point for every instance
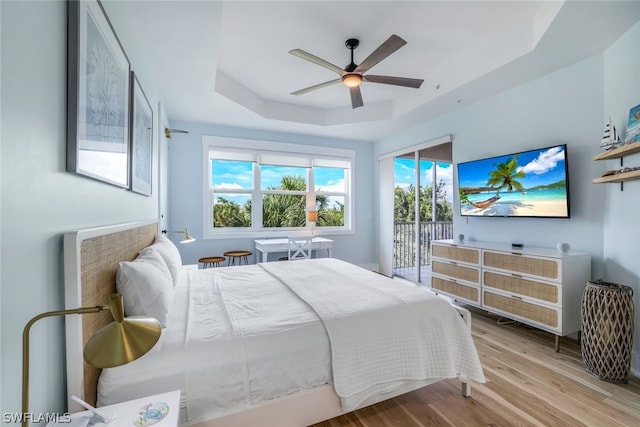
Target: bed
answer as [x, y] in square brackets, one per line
[267, 344]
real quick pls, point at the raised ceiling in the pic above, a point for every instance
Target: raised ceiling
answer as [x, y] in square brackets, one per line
[227, 63]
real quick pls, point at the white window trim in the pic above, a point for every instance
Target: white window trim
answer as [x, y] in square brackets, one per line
[269, 147]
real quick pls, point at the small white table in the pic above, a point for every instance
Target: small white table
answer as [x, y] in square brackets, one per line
[127, 413]
[267, 246]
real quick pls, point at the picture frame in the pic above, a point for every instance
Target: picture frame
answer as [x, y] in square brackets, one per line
[141, 139]
[98, 96]
[633, 125]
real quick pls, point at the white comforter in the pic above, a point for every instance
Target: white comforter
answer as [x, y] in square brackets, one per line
[238, 336]
[380, 335]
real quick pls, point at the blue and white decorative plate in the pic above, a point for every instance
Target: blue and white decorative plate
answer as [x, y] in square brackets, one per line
[151, 414]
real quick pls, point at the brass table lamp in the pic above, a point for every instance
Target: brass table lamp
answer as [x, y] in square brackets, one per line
[120, 342]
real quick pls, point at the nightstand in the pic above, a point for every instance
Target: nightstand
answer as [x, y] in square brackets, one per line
[132, 413]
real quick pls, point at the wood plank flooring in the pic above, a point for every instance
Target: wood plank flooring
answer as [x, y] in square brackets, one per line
[528, 384]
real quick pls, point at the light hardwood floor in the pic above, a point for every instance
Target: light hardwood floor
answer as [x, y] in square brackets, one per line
[528, 384]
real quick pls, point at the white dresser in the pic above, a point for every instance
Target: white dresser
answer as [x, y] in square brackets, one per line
[541, 287]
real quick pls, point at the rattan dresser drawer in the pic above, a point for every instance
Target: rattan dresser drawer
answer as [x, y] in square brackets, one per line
[545, 292]
[547, 268]
[537, 313]
[456, 289]
[456, 253]
[457, 271]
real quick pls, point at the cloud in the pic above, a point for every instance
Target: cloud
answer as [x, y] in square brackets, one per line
[228, 186]
[336, 186]
[544, 162]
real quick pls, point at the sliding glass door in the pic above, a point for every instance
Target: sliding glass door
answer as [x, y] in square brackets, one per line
[423, 209]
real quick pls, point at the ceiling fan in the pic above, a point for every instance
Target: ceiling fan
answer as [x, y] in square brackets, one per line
[353, 74]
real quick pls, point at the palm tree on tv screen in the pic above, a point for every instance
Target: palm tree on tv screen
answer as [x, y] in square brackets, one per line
[504, 176]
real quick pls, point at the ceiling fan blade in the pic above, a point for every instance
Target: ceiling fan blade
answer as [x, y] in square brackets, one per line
[314, 87]
[356, 97]
[396, 81]
[319, 61]
[392, 44]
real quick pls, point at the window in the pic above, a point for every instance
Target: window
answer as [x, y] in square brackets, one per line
[266, 188]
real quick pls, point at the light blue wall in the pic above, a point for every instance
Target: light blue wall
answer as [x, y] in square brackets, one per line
[186, 182]
[40, 200]
[564, 107]
[568, 106]
[622, 208]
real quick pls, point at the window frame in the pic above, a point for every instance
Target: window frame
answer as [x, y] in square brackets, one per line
[268, 150]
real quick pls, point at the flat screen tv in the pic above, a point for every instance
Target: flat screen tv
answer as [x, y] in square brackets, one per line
[531, 183]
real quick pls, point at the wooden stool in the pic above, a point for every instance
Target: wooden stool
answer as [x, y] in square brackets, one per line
[211, 261]
[241, 255]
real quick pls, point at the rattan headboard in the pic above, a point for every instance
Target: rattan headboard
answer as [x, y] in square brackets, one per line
[91, 258]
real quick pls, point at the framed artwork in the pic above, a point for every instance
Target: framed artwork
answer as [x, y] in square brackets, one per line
[633, 125]
[97, 96]
[141, 139]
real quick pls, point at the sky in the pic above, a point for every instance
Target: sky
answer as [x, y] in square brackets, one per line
[541, 167]
[404, 174]
[234, 174]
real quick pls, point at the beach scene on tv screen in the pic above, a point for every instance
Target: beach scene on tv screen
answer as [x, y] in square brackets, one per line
[531, 183]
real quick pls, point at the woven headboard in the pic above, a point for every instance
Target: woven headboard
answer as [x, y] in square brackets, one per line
[91, 258]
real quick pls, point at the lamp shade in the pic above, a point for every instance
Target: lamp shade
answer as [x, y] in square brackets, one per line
[122, 341]
[187, 237]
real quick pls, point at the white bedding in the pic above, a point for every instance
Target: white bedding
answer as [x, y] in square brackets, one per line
[236, 336]
[285, 346]
[380, 335]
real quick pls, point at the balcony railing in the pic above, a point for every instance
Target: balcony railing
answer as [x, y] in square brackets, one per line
[404, 251]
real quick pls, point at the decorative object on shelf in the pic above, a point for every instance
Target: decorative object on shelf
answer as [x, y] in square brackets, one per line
[624, 173]
[610, 139]
[185, 232]
[621, 170]
[460, 237]
[607, 330]
[141, 139]
[120, 342]
[563, 247]
[633, 125]
[98, 95]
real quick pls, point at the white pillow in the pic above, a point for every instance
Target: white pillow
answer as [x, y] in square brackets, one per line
[146, 286]
[170, 255]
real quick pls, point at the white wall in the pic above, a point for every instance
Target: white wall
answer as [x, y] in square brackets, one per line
[562, 107]
[40, 200]
[622, 208]
[568, 106]
[185, 192]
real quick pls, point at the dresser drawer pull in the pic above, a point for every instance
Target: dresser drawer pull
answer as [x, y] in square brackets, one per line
[515, 253]
[453, 262]
[516, 297]
[516, 275]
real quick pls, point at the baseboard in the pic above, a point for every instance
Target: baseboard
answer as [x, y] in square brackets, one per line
[371, 267]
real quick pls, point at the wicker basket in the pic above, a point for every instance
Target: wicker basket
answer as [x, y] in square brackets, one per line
[607, 330]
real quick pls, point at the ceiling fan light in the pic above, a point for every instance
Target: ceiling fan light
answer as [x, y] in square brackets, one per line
[352, 79]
